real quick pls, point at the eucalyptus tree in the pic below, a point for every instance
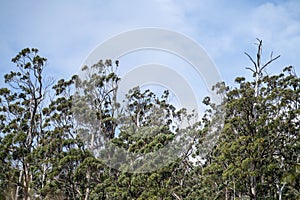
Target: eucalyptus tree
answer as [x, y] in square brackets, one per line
[21, 122]
[259, 144]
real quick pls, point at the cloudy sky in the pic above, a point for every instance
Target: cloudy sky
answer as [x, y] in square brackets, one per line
[67, 31]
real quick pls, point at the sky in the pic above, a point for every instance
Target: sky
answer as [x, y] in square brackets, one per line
[66, 32]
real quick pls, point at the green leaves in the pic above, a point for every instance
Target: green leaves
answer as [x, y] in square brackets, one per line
[48, 146]
[260, 134]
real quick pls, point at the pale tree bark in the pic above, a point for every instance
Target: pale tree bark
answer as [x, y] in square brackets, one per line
[18, 187]
[87, 191]
[257, 72]
[280, 189]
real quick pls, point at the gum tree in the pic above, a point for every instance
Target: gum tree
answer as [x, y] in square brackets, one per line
[21, 121]
[259, 144]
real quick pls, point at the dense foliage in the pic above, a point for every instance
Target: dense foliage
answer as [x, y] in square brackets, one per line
[50, 133]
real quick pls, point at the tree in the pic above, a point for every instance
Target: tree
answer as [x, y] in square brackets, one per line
[147, 126]
[259, 143]
[41, 155]
[75, 141]
[143, 125]
[21, 119]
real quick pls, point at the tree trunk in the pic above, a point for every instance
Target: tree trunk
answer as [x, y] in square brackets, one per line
[87, 192]
[226, 193]
[253, 187]
[27, 180]
[18, 187]
[280, 191]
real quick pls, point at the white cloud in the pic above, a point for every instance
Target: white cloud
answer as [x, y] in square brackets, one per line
[226, 30]
[66, 31]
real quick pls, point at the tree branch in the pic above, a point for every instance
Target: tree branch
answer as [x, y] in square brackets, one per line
[265, 65]
[254, 63]
[176, 196]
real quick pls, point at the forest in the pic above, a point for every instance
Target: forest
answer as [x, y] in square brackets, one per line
[55, 134]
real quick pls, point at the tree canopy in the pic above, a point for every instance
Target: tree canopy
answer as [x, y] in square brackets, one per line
[54, 134]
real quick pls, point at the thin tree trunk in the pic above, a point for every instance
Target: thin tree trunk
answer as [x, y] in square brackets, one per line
[280, 191]
[226, 193]
[253, 187]
[87, 192]
[18, 187]
[27, 180]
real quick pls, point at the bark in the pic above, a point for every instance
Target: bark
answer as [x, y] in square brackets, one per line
[18, 187]
[280, 189]
[87, 192]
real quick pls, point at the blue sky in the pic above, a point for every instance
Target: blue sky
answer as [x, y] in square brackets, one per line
[67, 31]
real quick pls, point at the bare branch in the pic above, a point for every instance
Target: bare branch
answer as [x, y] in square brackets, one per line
[271, 55]
[270, 61]
[250, 69]
[259, 41]
[259, 52]
[251, 59]
[176, 196]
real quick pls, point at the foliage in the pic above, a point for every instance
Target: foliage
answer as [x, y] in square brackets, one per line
[53, 137]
